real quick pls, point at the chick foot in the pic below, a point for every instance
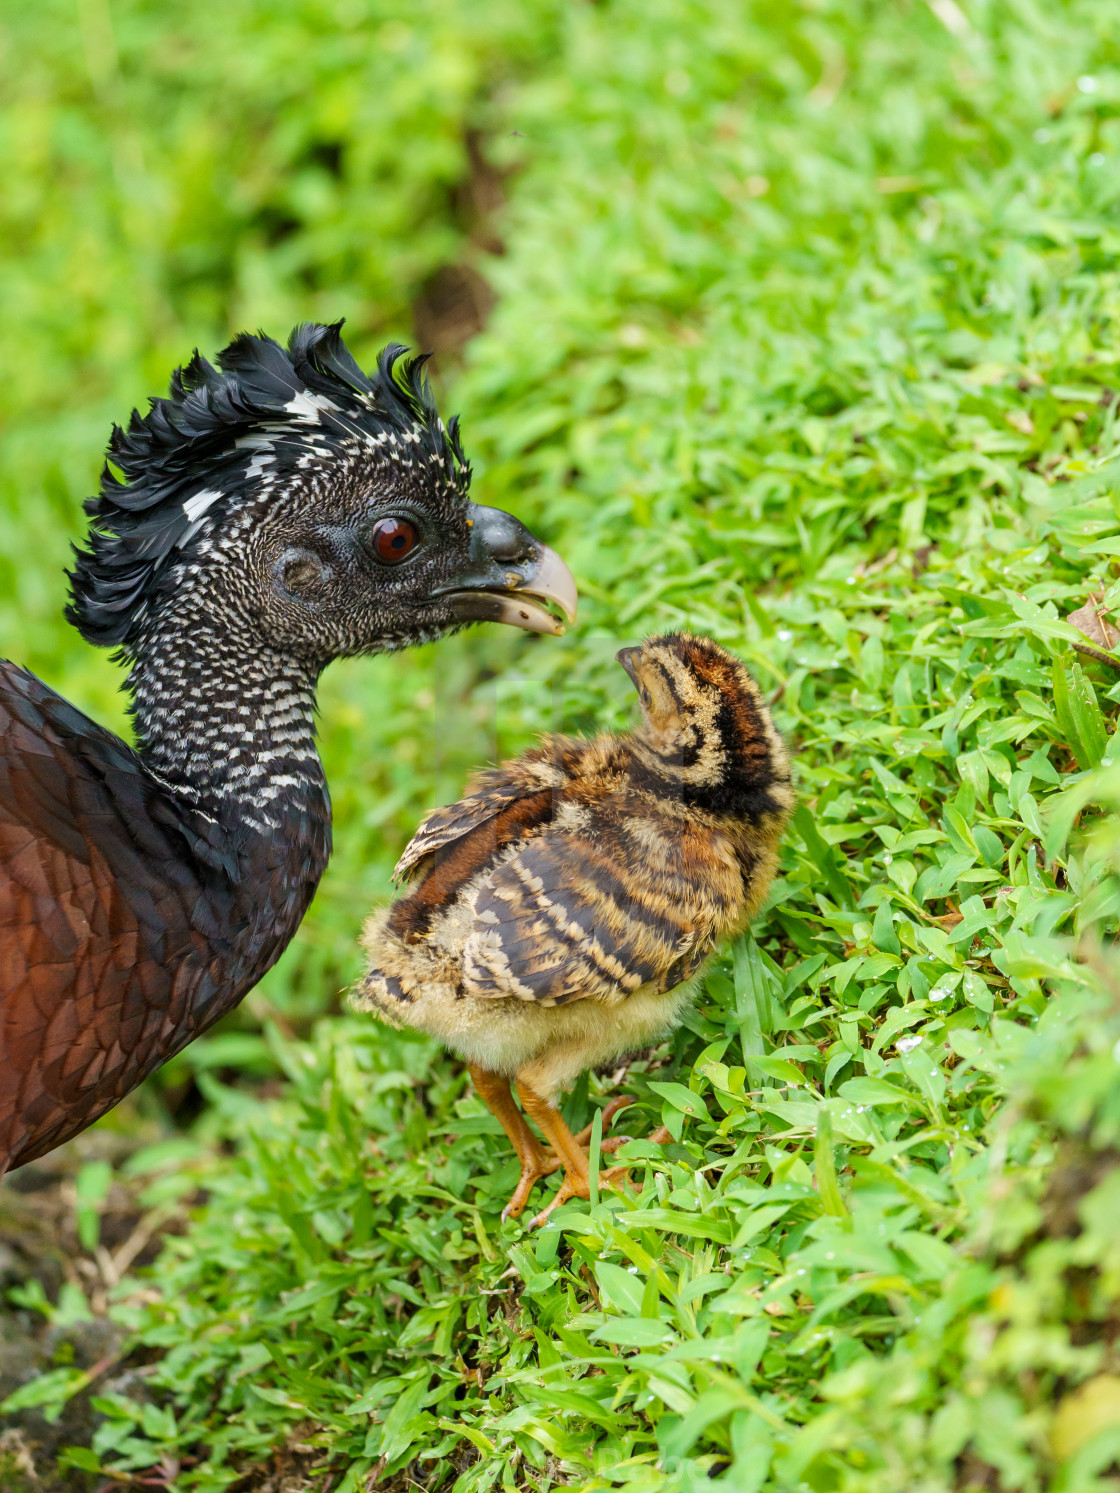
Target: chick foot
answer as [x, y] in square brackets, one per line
[577, 1183]
[536, 1161]
[530, 1176]
[617, 1177]
[565, 1151]
[582, 1138]
[533, 1171]
[570, 1154]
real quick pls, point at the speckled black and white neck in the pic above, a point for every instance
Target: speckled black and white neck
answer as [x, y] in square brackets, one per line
[230, 731]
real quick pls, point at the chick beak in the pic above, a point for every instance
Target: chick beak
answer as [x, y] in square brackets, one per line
[508, 575]
[626, 657]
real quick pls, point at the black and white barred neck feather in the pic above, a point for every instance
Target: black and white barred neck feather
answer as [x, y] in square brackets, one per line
[263, 414]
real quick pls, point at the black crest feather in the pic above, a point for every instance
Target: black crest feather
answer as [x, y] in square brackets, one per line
[201, 442]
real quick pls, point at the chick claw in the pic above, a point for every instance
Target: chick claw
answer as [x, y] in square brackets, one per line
[537, 1163]
[530, 1175]
[575, 1185]
[567, 1150]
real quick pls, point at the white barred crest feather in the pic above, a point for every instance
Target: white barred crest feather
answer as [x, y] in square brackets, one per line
[265, 412]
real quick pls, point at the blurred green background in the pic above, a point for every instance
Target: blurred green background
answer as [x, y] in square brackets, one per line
[797, 325]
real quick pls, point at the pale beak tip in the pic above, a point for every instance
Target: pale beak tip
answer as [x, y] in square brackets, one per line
[553, 581]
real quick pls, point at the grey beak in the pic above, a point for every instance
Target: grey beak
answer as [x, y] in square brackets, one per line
[509, 573]
[626, 657]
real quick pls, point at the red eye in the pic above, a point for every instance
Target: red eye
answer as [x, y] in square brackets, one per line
[393, 539]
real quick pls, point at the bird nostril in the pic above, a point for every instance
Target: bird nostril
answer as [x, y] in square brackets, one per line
[512, 549]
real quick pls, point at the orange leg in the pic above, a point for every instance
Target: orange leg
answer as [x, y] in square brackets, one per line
[569, 1151]
[495, 1093]
[609, 1112]
[536, 1161]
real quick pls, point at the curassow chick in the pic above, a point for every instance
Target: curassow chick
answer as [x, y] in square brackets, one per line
[565, 906]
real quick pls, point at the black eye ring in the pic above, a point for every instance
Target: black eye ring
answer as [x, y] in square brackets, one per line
[393, 540]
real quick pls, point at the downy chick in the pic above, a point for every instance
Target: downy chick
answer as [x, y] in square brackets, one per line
[566, 905]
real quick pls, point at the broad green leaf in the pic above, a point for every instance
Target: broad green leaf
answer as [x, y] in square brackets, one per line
[779, 1068]
[675, 1222]
[882, 931]
[1079, 714]
[622, 1289]
[755, 994]
[48, 1391]
[873, 1091]
[822, 856]
[680, 1098]
[397, 1429]
[925, 1075]
[825, 1168]
[632, 1332]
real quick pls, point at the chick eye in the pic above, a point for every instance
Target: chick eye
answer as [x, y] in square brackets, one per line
[392, 540]
[646, 697]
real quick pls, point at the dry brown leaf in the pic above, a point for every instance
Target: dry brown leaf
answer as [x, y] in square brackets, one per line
[1092, 620]
[873, 567]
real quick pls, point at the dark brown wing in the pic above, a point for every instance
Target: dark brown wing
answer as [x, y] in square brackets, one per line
[506, 805]
[112, 905]
[444, 826]
[599, 911]
[548, 768]
[458, 861]
[553, 768]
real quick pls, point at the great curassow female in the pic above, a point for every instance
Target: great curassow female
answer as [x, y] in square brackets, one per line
[275, 513]
[567, 903]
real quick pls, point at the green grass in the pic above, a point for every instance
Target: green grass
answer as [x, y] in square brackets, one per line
[805, 338]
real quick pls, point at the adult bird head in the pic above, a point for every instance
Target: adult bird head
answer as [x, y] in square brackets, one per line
[292, 500]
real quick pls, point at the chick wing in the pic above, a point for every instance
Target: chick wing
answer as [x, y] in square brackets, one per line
[548, 770]
[446, 825]
[575, 915]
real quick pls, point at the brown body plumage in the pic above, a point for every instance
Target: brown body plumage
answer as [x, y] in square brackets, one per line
[565, 905]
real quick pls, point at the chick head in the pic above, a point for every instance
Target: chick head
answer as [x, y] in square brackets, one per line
[704, 722]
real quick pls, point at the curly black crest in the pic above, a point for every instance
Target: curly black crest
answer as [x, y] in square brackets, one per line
[222, 432]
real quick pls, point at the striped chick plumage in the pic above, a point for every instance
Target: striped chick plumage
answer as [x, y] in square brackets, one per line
[564, 907]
